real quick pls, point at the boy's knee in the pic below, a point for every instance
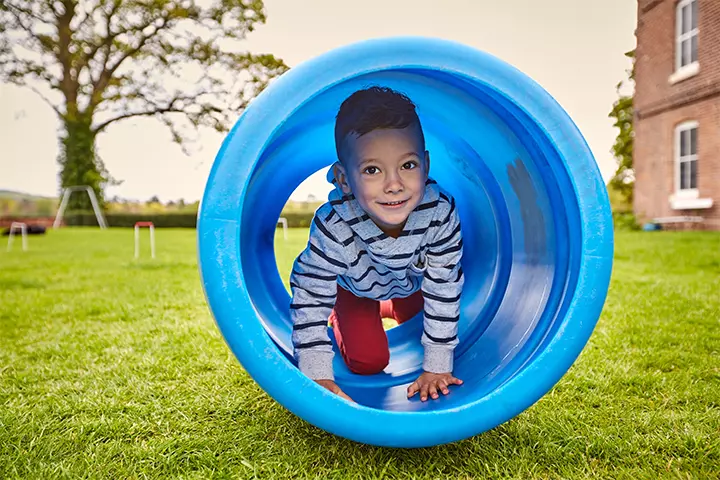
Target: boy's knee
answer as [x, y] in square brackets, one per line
[369, 365]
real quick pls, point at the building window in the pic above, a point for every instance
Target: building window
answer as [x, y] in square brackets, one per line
[686, 45]
[686, 158]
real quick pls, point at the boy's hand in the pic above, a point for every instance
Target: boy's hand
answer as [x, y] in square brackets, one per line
[429, 383]
[332, 386]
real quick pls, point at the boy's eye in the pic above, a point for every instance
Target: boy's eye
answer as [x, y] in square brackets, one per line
[371, 170]
[410, 165]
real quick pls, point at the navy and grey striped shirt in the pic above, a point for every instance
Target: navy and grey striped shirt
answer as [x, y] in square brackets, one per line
[346, 248]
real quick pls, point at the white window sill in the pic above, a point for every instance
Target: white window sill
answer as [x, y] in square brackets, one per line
[689, 203]
[686, 194]
[684, 73]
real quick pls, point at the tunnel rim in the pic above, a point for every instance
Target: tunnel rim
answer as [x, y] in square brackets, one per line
[221, 209]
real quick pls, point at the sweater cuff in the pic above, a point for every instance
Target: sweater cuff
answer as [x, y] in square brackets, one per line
[316, 365]
[438, 359]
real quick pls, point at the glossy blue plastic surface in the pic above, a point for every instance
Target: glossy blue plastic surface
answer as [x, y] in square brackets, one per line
[536, 223]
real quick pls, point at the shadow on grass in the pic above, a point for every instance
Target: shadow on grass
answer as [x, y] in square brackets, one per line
[17, 284]
[509, 449]
[712, 266]
[282, 441]
[160, 265]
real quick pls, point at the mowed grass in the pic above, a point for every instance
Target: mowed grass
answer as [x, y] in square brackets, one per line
[112, 367]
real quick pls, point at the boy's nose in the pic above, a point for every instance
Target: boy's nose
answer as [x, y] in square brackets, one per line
[393, 183]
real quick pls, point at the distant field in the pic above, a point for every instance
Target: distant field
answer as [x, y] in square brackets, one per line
[114, 368]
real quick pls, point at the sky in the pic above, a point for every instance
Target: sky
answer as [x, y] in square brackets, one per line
[572, 48]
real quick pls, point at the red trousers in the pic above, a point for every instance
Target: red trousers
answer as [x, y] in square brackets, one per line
[359, 332]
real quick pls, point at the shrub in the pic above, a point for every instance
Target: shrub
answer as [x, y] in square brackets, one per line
[625, 221]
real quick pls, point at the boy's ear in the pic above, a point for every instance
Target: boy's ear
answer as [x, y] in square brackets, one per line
[341, 177]
[427, 162]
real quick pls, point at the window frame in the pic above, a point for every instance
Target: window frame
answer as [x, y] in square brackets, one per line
[680, 37]
[678, 159]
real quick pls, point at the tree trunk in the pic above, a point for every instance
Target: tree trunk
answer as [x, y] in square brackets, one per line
[79, 164]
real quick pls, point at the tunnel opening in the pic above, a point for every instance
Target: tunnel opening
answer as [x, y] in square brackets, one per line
[508, 182]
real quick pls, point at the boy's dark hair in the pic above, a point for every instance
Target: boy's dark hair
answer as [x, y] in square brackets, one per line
[371, 109]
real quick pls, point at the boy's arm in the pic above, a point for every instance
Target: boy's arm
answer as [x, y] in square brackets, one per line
[314, 288]
[441, 289]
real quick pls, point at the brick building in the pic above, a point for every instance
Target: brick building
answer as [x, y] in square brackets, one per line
[677, 111]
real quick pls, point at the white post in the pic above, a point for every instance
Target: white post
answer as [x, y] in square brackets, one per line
[93, 201]
[284, 223]
[96, 207]
[61, 209]
[137, 238]
[23, 233]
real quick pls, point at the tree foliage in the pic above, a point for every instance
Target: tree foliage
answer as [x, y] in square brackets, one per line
[623, 181]
[98, 62]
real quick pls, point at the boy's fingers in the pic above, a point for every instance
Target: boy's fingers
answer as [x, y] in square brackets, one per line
[344, 395]
[431, 388]
[413, 389]
[334, 388]
[443, 386]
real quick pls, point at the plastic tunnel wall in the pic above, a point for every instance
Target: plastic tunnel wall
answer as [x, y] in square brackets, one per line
[536, 223]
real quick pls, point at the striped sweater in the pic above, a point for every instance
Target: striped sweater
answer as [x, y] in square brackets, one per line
[346, 248]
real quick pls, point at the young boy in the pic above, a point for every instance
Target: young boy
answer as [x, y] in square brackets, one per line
[386, 244]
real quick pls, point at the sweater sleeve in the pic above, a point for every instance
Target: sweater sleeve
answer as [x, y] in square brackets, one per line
[313, 283]
[442, 288]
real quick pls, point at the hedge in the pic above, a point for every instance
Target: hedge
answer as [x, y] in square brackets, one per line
[160, 220]
[167, 220]
[298, 219]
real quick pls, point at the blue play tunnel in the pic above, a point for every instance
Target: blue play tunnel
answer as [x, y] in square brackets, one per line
[536, 223]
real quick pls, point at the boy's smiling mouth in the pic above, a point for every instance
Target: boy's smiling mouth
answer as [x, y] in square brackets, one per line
[396, 204]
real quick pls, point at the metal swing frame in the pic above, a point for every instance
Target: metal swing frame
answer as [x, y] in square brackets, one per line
[93, 200]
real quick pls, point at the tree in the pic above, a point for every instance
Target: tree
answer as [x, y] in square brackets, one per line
[98, 62]
[623, 181]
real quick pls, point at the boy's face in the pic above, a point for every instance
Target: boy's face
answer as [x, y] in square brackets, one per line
[386, 170]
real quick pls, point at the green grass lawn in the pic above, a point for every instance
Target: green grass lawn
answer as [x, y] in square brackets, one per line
[114, 368]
